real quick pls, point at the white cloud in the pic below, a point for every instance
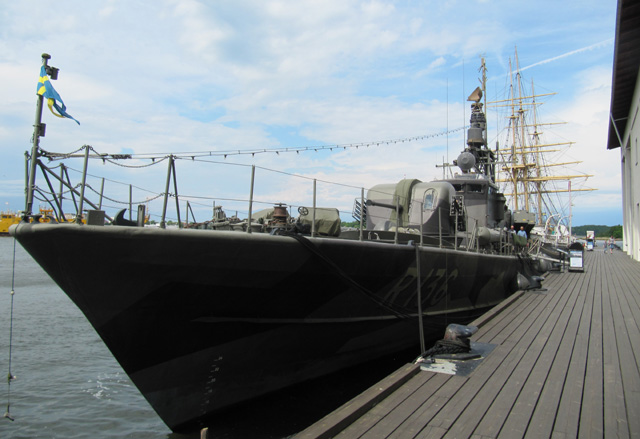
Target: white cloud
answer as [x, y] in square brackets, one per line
[187, 75]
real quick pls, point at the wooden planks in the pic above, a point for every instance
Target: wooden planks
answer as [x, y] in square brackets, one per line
[566, 364]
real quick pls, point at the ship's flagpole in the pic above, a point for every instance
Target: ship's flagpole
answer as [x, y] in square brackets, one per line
[38, 131]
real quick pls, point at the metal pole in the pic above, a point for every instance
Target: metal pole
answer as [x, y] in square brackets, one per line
[101, 194]
[466, 229]
[38, 130]
[313, 215]
[72, 190]
[421, 225]
[476, 230]
[253, 174]
[455, 233]
[175, 188]
[362, 207]
[84, 180]
[26, 174]
[68, 184]
[130, 200]
[398, 219]
[58, 207]
[440, 227]
[142, 213]
[570, 214]
[166, 194]
[60, 195]
[419, 287]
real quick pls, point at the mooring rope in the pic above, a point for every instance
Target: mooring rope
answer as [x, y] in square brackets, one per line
[399, 313]
[448, 347]
[10, 376]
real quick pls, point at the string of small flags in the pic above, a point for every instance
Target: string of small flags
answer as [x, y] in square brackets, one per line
[253, 152]
[156, 157]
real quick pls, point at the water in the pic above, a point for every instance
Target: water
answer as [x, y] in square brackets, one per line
[69, 385]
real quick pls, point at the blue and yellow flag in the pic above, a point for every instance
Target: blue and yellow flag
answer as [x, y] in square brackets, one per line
[46, 90]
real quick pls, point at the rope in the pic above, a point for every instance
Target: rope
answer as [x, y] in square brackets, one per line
[10, 376]
[348, 279]
[448, 347]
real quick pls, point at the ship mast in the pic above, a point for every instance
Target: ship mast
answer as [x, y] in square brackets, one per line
[483, 160]
[522, 145]
[523, 159]
[536, 143]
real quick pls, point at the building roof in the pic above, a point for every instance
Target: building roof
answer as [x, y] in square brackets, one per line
[626, 61]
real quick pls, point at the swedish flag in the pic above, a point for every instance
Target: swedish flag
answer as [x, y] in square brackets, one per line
[46, 90]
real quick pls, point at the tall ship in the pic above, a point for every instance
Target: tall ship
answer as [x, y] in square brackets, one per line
[534, 173]
[205, 318]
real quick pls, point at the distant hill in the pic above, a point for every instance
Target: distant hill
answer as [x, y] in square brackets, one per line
[600, 231]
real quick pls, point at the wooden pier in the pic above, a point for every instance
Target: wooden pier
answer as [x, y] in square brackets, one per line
[565, 363]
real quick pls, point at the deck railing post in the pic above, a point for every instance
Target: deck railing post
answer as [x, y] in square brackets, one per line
[70, 186]
[421, 224]
[455, 233]
[166, 194]
[101, 194]
[313, 215]
[362, 207]
[175, 188]
[61, 189]
[253, 174]
[419, 294]
[84, 181]
[398, 219]
[476, 232]
[26, 174]
[440, 226]
[57, 209]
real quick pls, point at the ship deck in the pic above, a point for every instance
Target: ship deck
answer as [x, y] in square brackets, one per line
[565, 362]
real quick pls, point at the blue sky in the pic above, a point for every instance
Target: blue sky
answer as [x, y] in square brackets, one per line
[153, 78]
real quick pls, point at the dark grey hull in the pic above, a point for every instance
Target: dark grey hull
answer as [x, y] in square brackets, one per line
[205, 320]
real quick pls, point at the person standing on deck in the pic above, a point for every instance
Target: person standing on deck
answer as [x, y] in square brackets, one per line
[612, 242]
[522, 232]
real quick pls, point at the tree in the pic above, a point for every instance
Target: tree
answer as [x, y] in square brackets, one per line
[616, 232]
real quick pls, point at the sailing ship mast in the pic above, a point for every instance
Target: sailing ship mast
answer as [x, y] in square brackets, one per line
[524, 170]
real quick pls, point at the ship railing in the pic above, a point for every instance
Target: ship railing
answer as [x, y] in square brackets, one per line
[535, 246]
[359, 212]
[472, 241]
[80, 194]
[467, 238]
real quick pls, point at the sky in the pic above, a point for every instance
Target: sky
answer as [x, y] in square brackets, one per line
[336, 94]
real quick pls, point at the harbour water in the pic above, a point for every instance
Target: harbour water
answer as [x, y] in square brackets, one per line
[69, 385]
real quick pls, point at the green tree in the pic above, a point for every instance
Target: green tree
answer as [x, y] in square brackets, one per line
[616, 232]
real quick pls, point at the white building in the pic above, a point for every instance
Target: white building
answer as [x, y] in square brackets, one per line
[624, 126]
